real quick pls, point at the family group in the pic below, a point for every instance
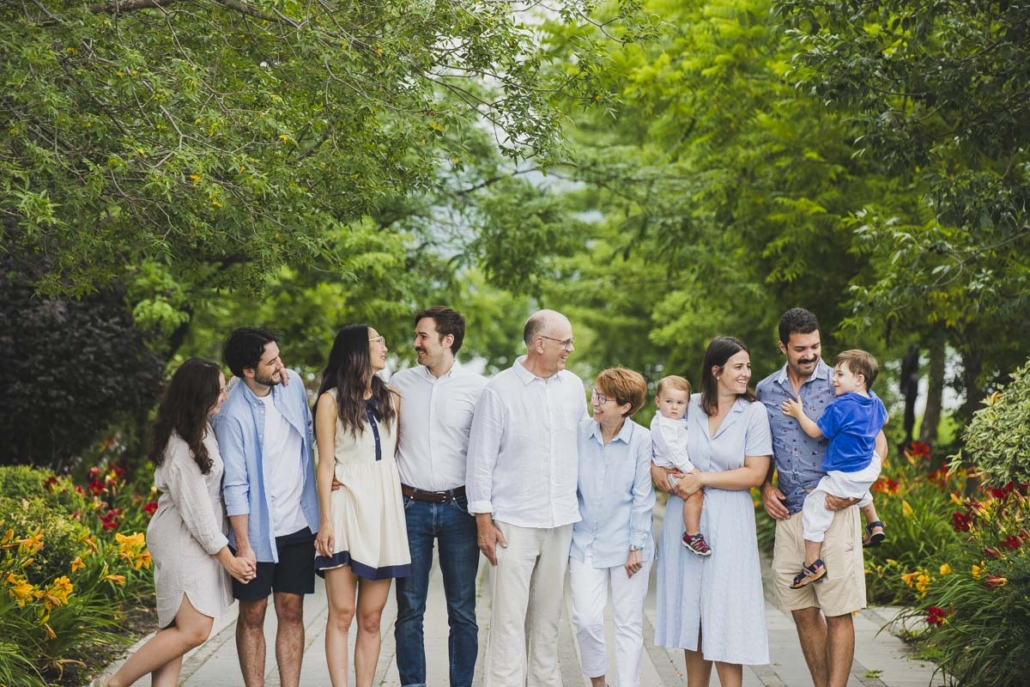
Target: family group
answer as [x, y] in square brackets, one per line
[521, 469]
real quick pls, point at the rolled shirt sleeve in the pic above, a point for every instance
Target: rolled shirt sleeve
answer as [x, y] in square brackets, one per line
[187, 488]
[484, 447]
[643, 498]
[236, 482]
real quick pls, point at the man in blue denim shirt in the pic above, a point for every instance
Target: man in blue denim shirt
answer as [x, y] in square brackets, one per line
[264, 436]
[822, 612]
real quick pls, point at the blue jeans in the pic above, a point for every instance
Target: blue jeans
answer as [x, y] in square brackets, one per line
[455, 529]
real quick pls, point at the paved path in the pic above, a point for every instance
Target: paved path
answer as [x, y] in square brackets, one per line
[881, 660]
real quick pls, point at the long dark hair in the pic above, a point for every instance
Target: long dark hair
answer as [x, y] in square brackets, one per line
[721, 349]
[349, 371]
[193, 389]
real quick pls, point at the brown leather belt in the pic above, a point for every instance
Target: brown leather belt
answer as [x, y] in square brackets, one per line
[432, 496]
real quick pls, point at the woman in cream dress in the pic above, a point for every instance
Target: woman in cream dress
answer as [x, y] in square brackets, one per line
[362, 540]
[186, 536]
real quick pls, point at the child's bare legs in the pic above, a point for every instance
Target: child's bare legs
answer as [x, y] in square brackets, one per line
[813, 552]
[874, 528]
[692, 513]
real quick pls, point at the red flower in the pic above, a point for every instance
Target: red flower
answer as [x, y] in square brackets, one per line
[1010, 542]
[993, 581]
[991, 552]
[920, 449]
[961, 522]
[110, 525]
[935, 616]
[150, 508]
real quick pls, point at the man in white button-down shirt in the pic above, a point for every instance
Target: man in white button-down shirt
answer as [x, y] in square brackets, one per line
[438, 399]
[521, 484]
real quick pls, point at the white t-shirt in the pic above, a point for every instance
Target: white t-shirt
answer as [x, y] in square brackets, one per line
[281, 451]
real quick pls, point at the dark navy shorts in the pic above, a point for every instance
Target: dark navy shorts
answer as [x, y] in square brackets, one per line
[293, 574]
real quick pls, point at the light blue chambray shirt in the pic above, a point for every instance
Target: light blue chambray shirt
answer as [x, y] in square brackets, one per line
[239, 428]
[615, 495]
[799, 457]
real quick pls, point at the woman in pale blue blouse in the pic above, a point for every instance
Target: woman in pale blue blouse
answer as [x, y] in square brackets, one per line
[613, 543]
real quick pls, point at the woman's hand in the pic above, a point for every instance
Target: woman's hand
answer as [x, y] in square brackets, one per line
[241, 569]
[633, 563]
[689, 484]
[325, 540]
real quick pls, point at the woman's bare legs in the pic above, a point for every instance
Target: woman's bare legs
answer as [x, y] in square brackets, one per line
[162, 654]
[341, 587]
[372, 597]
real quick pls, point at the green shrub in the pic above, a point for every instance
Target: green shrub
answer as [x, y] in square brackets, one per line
[998, 439]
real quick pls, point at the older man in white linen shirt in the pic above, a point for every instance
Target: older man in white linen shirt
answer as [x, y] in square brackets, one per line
[521, 484]
[438, 399]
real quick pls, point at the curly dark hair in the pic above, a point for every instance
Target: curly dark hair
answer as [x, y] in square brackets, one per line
[193, 389]
[244, 348]
[349, 371]
[796, 321]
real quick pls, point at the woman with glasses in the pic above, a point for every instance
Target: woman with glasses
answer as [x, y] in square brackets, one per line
[362, 540]
[713, 607]
[613, 544]
[187, 535]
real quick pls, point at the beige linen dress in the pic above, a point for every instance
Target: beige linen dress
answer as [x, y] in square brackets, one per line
[369, 531]
[188, 528]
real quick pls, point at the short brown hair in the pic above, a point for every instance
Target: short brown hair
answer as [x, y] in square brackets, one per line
[448, 321]
[674, 381]
[625, 386]
[860, 363]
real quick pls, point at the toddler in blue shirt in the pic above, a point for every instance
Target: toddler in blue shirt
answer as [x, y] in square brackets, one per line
[851, 423]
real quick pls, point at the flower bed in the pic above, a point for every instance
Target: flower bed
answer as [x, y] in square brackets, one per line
[71, 557]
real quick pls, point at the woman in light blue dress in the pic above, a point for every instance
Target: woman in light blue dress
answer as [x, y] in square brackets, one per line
[713, 607]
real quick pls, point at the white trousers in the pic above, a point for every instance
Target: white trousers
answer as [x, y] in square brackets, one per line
[815, 518]
[528, 593]
[589, 597]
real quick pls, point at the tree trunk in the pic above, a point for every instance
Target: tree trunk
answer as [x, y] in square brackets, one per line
[934, 391]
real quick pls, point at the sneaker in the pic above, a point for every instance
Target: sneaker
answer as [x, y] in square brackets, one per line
[809, 573]
[876, 534]
[697, 544]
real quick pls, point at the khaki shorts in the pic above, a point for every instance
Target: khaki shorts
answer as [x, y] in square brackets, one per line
[842, 591]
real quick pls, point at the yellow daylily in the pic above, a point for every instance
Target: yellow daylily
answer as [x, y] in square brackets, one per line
[906, 509]
[58, 593]
[21, 590]
[77, 564]
[910, 578]
[923, 582]
[117, 579]
[978, 570]
[945, 569]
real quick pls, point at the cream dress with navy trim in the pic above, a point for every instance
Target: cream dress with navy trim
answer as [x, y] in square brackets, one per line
[369, 531]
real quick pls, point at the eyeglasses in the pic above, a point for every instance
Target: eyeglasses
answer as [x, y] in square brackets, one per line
[378, 339]
[601, 398]
[567, 344]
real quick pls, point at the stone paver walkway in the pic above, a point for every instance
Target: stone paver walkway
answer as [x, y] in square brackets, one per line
[881, 660]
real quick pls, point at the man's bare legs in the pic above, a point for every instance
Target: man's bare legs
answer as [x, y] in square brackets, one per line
[289, 636]
[828, 645]
[250, 641]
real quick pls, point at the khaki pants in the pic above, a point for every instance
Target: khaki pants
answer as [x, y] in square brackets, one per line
[528, 590]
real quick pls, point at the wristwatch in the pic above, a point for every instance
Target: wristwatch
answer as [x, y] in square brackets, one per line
[634, 547]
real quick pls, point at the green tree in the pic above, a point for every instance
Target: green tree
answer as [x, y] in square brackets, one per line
[938, 91]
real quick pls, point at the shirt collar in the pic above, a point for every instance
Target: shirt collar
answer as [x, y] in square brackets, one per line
[433, 378]
[822, 371]
[624, 434]
[252, 398]
[528, 377]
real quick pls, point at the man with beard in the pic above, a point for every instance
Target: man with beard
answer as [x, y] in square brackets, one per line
[521, 481]
[822, 612]
[439, 397]
[264, 436]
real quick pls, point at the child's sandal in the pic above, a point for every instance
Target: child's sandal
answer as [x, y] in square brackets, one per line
[809, 574]
[876, 534]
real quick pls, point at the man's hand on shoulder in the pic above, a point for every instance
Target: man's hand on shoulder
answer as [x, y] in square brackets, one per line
[773, 502]
[489, 536]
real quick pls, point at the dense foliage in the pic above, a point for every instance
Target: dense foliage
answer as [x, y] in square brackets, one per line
[72, 368]
[998, 439]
